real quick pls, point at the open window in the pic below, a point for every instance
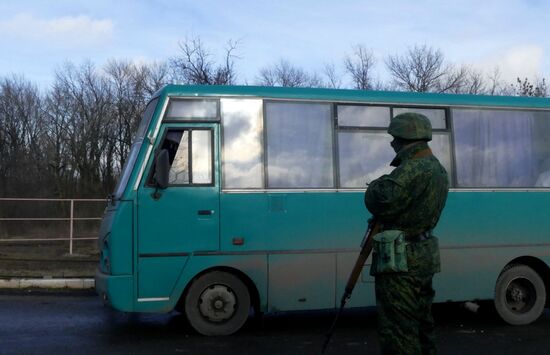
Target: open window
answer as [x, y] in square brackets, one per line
[190, 154]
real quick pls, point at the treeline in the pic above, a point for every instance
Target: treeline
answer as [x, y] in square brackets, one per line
[71, 139]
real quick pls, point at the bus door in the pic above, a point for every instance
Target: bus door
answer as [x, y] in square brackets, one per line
[184, 217]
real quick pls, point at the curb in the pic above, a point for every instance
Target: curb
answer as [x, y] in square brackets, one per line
[74, 284]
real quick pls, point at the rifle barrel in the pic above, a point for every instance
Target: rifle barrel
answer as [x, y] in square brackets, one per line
[366, 248]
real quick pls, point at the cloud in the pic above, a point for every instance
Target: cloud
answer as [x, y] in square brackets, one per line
[62, 31]
[519, 61]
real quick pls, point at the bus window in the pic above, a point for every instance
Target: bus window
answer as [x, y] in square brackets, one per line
[299, 145]
[192, 109]
[363, 116]
[436, 116]
[201, 153]
[363, 157]
[441, 147]
[364, 149]
[146, 119]
[242, 143]
[501, 148]
[190, 155]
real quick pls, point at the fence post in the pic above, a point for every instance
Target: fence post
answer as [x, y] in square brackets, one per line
[71, 229]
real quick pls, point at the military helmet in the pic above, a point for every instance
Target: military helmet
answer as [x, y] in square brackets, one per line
[412, 126]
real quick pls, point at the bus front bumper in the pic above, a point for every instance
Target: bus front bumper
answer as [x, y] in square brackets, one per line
[116, 291]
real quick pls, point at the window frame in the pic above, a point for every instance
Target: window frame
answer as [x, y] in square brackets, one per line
[337, 119]
[446, 110]
[350, 129]
[262, 136]
[149, 181]
[453, 152]
[447, 131]
[265, 145]
[217, 119]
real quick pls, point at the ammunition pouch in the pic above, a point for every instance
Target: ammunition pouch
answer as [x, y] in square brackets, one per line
[389, 253]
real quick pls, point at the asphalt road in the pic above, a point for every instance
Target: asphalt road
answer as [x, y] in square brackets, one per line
[45, 323]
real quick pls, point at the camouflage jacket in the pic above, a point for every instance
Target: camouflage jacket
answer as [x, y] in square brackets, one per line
[413, 195]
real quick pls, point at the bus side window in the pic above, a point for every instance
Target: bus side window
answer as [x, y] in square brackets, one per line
[501, 148]
[299, 145]
[190, 156]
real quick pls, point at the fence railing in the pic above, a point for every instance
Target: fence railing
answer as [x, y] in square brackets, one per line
[70, 219]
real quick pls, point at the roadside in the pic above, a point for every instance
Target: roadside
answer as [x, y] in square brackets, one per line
[48, 266]
[47, 283]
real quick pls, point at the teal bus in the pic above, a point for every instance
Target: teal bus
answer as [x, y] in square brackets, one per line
[237, 200]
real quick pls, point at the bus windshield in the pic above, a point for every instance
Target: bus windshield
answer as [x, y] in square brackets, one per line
[136, 146]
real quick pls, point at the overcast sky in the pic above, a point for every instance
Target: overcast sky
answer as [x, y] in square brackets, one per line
[36, 37]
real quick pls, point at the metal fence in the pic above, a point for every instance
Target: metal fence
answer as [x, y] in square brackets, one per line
[71, 219]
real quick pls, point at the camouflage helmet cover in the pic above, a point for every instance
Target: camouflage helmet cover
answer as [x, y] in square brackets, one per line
[412, 126]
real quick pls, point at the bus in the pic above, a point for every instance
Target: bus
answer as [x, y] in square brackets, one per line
[237, 200]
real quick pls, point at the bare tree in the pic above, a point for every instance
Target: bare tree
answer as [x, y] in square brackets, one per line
[463, 80]
[73, 140]
[360, 66]
[332, 77]
[475, 83]
[287, 75]
[128, 84]
[526, 88]
[495, 82]
[21, 126]
[423, 69]
[87, 102]
[454, 81]
[90, 118]
[56, 137]
[156, 76]
[195, 64]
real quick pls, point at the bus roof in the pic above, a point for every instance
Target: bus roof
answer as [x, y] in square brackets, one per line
[346, 95]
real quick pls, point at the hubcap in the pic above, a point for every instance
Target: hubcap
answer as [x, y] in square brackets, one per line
[520, 295]
[217, 303]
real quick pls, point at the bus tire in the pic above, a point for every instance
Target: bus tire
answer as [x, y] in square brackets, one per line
[217, 303]
[520, 295]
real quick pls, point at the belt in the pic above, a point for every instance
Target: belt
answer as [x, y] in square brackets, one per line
[419, 238]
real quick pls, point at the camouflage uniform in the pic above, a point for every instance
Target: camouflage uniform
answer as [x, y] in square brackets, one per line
[409, 199]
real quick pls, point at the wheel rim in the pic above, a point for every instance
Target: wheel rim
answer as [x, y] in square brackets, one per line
[217, 303]
[520, 295]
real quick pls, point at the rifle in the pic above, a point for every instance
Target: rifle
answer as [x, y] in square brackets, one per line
[366, 249]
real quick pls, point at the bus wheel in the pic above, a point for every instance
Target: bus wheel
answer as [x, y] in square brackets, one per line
[217, 303]
[520, 295]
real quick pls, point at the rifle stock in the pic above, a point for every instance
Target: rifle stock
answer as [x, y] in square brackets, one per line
[366, 249]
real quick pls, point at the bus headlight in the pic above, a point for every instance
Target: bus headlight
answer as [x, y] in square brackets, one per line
[104, 254]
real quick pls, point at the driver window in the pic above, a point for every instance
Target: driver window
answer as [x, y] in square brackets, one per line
[190, 156]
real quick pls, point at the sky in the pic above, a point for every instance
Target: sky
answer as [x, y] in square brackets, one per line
[38, 37]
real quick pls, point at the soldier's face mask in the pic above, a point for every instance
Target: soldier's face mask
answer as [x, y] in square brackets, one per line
[396, 144]
[399, 143]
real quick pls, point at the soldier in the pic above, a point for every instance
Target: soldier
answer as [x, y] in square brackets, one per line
[409, 199]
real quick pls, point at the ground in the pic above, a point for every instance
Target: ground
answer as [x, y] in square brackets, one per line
[46, 323]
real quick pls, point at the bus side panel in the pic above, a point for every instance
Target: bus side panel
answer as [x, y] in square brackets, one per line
[157, 275]
[298, 281]
[363, 292]
[480, 232]
[302, 229]
[327, 221]
[253, 266]
[118, 224]
[469, 274]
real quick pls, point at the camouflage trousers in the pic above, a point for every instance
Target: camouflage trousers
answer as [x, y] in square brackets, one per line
[404, 302]
[405, 323]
